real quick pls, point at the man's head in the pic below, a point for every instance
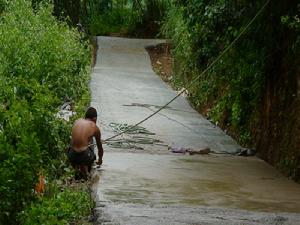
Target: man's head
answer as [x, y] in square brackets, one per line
[91, 114]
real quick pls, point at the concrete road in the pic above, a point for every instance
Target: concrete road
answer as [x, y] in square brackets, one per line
[126, 90]
[142, 182]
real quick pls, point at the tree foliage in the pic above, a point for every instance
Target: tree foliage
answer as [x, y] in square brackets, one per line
[42, 63]
[239, 91]
[125, 17]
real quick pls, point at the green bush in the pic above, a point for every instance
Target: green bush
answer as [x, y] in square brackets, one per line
[125, 17]
[113, 21]
[61, 209]
[42, 64]
[151, 14]
[251, 92]
[41, 48]
[176, 28]
[3, 4]
[199, 31]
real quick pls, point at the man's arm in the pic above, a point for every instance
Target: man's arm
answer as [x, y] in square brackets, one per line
[99, 145]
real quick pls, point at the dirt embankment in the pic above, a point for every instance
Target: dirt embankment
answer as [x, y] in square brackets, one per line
[161, 60]
[278, 137]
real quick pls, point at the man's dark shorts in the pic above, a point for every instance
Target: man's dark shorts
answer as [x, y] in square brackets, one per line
[86, 157]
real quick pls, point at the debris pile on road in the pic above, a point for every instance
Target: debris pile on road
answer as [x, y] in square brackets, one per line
[246, 152]
[207, 150]
[131, 142]
[182, 150]
[134, 130]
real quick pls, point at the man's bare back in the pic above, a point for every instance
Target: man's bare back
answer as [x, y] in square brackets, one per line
[83, 132]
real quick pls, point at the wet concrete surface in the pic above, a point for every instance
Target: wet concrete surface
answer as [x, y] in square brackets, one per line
[154, 186]
[214, 181]
[129, 214]
[135, 188]
[123, 76]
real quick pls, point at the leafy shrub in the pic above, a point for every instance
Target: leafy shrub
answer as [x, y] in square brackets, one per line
[176, 28]
[126, 17]
[63, 208]
[200, 30]
[43, 63]
[293, 23]
[117, 20]
[41, 48]
[151, 14]
[3, 4]
[252, 90]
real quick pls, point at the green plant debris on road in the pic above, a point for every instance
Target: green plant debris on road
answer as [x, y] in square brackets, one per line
[134, 141]
[125, 127]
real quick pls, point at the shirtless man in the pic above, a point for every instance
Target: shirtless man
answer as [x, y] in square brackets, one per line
[81, 152]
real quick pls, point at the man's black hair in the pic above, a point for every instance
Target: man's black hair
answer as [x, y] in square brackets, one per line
[91, 113]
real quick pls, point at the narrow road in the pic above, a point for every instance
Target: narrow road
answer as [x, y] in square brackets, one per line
[142, 182]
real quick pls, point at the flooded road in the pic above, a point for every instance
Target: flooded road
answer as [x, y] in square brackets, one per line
[214, 181]
[134, 187]
[145, 184]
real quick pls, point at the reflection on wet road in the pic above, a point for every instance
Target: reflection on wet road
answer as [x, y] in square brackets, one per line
[234, 182]
[137, 184]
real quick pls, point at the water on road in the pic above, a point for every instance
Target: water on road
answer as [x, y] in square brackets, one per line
[214, 181]
[149, 185]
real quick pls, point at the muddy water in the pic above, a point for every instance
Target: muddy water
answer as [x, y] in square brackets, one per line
[214, 181]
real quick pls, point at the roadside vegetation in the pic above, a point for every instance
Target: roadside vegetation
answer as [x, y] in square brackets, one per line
[253, 92]
[61, 207]
[43, 63]
[134, 18]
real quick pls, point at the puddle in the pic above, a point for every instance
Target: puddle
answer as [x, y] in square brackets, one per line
[231, 182]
